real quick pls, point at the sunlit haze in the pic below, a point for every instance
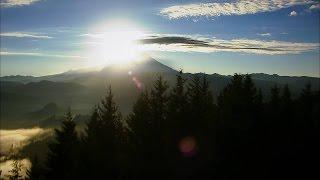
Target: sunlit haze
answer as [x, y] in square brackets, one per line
[113, 42]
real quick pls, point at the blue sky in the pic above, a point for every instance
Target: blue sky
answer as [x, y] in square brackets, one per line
[40, 37]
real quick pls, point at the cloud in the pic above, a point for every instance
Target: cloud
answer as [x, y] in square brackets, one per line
[6, 53]
[92, 35]
[208, 45]
[293, 13]
[264, 34]
[240, 7]
[314, 6]
[24, 35]
[14, 3]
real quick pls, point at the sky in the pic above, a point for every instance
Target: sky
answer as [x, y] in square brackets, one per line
[41, 37]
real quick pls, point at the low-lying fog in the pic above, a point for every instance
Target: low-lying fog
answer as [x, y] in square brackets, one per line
[10, 142]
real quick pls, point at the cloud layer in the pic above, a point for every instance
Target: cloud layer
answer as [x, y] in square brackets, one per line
[208, 45]
[7, 53]
[13, 3]
[24, 35]
[240, 7]
[314, 6]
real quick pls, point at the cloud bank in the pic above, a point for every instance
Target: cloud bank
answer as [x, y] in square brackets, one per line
[14, 3]
[314, 6]
[7, 53]
[24, 35]
[240, 7]
[208, 45]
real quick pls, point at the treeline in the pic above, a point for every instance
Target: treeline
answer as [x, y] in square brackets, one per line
[182, 133]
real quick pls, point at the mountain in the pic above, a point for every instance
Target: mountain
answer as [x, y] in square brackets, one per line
[49, 109]
[82, 89]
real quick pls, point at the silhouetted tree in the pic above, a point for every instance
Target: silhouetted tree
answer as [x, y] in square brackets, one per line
[159, 123]
[140, 138]
[62, 156]
[177, 107]
[35, 172]
[109, 138]
[183, 134]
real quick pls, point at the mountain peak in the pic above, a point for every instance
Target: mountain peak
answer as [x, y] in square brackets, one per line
[145, 65]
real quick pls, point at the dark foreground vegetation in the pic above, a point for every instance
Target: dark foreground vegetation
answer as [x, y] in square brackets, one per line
[182, 133]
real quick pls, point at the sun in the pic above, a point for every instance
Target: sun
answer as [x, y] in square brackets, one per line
[114, 43]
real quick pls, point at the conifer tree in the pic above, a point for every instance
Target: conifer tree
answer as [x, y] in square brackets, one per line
[275, 97]
[140, 120]
[110, 136]
[177, 108]
[35, 171]
[62, 157]
[91, 146]
[140, 135]
[195, 98]
[286, 106]
[306, 106]
[159, 124]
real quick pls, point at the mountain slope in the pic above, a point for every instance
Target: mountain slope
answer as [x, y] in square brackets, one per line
[83, 89]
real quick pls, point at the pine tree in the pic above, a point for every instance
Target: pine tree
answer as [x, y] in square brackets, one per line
[139, 120]
[110, 137]
[158, 102]
[231, 102]
[275, 97]
[306, 106]
[159, 124]
[35, 171]
[90, 146]
[177, 108]
[249, 90]
[238, 116]
[194, 97]
[286, 108]
[141, 130]
[177, 124]
[286, 96]
[62, 156]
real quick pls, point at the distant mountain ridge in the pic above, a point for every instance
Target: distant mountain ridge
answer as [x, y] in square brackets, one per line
[81, 90]
[151, 65]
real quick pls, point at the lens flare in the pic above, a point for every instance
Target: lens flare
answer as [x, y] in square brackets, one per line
[136, 80]
[188, 146]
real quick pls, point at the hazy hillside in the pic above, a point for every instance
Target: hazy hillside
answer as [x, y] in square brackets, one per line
[25, 95]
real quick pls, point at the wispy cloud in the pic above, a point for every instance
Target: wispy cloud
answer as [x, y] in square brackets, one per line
[264, 34]
[8, 53]
[240, 7]
[293, 13]
[93, 35]
[24, 35]
[208, 45]
[314, 6]
[14, 3]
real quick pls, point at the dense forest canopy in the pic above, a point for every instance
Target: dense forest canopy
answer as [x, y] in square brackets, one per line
[181, 133]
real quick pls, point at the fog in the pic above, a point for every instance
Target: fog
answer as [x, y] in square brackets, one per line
[16, 138]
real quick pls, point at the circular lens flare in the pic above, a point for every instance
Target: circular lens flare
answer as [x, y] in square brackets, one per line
[188, 146]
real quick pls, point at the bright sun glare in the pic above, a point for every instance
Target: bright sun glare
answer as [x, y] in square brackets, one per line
[114, 43]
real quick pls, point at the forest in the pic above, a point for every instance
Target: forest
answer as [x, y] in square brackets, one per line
[183, 132]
